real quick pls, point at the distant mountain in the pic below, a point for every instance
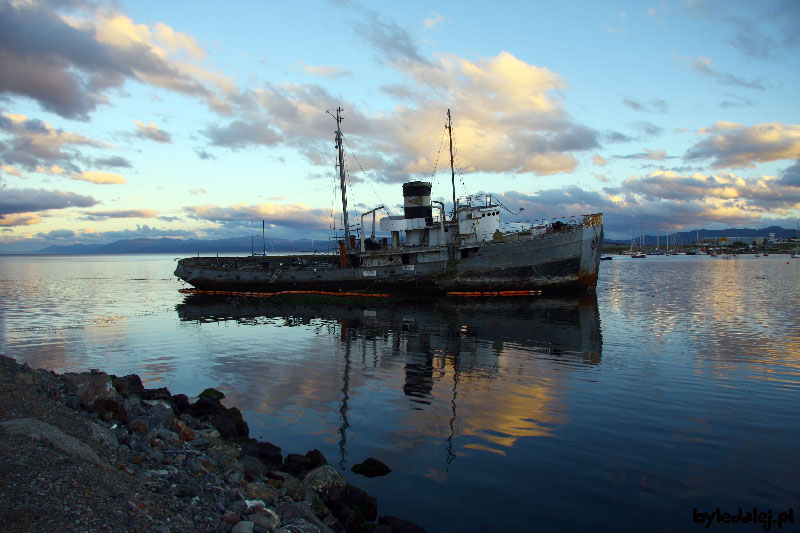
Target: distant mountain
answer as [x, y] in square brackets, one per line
[243, 244]
[690, 237]
[187, 246]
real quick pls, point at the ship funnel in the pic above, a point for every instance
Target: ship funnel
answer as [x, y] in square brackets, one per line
[417, 201]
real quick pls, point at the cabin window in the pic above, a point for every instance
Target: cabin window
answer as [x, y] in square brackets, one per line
[468, 252]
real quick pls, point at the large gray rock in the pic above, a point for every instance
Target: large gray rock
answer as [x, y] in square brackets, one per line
[96, 393]
[325, 481]
[245, 526]
[300, 515]
[265, 518]
[50, 435]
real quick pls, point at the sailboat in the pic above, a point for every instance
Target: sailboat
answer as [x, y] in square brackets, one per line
[796, 253]
[468, 252]
[637, 252]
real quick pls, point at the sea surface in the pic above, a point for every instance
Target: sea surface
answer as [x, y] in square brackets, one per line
[675, 389]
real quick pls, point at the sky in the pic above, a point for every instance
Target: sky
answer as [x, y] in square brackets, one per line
[201, 119]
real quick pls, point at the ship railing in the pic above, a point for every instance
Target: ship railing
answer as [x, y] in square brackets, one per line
[544, 227]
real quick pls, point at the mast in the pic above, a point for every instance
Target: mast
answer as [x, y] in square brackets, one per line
[342, 184]
[452, 170]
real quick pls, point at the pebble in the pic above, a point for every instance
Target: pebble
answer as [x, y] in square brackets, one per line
[244, 526]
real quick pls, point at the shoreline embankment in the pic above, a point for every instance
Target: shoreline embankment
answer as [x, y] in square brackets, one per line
[95, 452]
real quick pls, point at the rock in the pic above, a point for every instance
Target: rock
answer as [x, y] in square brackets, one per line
[399, 525]
[362, 503]
[296, 464]
[253, 469]
[211, 394]
[346, 515]
[72, 401]
[168, 436]
[371, 468]
[265, 519]
[205, 406]
[260, 491]
[90, 387]
[294, 489]
[104, 435]
[110, 409]
[326, 481]
[232, 518]
[315, 459]
[138, 424]
[300, 515]
[181, 402]
[50, 435]
[184, 432]
[156, 394]
[245, 526]
[269, 453]
[300, 526]
[225, 424]
[159, 413]
[127, 385]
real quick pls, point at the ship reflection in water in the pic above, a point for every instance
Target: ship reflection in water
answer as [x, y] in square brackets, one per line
[419, 385]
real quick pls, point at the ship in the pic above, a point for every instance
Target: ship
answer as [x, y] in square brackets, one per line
[423, 252]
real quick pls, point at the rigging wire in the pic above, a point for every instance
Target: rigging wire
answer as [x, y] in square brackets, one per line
[366, 176]
[438, 154]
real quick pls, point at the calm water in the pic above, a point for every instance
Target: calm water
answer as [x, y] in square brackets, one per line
[677, 387]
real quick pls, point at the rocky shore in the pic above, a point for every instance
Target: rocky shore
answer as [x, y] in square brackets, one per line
[94, 452]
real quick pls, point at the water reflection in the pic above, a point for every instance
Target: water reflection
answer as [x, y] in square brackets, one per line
[484, 372]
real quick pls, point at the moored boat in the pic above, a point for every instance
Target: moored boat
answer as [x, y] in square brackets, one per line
[425, 252]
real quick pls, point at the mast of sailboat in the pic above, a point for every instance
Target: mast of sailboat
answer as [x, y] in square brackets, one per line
[452, 169]
[342, 184]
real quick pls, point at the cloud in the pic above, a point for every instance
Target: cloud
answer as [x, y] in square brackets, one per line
[56, 234]
[736, 101]
[113, 161]
[759, 30]
[168, 219]
[296, 216]
[19, 219]
[324, 71]
[666, 200]
[616, 137]
[734, 145]
[100, 178]
[33, 143]
[702, 65]
[434, 19]
[657, 155]
[655, 105]
[13, 201]
[151, 132]
[598, 160]
[791, 175]
[68, 60]
[648, 129]
[720, 195]
[11, 171]
[141, 232]
[199, 190]
[392, 42]
[119, 213]
[240, 134]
